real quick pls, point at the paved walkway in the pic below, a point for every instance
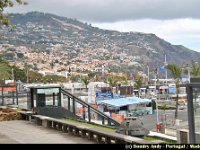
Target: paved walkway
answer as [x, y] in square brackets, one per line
[29, 133]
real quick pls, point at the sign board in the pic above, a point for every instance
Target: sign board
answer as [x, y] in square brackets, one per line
[8, 88]
[48, 91]
[9, 81]
[104, 95]
[172, 89]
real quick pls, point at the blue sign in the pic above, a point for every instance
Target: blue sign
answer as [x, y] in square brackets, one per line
[172, 89]
[104, 95]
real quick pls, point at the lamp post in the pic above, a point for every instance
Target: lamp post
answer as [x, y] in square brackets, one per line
[13, 75]
[156, 100]
[148, 73]
[26, 72]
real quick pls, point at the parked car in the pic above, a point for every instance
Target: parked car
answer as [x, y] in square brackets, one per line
[133, 126]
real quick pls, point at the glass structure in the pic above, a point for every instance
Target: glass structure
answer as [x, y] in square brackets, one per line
[193, 93]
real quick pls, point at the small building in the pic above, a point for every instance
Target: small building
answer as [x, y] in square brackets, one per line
[129, 106]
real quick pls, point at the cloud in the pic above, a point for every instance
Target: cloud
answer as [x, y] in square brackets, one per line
[115, 10]
[177, 31]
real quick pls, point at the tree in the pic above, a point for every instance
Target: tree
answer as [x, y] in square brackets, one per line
[111, 81]
[85, 80]
[138, 84]
[52, 64]
[4, 19]
[176, 72]
[195, 72]
[124, 80]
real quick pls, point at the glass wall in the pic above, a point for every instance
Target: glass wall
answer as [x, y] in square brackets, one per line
[193, 94]
[196, 110]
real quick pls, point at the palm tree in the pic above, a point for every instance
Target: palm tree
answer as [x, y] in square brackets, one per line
[86, 81]
[195, 72]
[124, 80]
[111, 81]
[138, 83]
[176, 72]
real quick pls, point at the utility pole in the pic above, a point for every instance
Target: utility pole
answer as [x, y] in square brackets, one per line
[166, 70]
[27, 73]
[148, 73]
[156, 100]
[13, 75]
[166, 74]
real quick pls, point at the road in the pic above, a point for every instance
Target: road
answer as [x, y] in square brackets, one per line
[150, 121]
[23, 132]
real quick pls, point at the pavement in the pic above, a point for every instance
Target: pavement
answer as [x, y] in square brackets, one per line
[23, 132]
[149, 121]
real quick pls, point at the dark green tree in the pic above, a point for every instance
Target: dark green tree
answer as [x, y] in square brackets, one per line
[112, 81]
[138, 84]
[4, 19]
[195, 72]
[85, 80]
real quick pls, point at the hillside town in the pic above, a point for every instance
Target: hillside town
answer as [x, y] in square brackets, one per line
[104, 86]
[58, 62]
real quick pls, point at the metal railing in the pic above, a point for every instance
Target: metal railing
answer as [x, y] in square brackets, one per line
[89, 109]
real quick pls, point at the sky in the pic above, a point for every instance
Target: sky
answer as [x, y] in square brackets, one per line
[176, 21]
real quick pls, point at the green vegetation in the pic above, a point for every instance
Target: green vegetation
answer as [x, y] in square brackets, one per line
[139, 81]
[21, 74]
[85, 81]
[195, 69]
[110, 129]
[112, 81]
[164, 107]
[107, 129]
[4, 19]
[148, 138]
[176, 72]
[154, 104]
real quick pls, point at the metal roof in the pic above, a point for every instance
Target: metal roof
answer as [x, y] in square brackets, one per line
[119, 102]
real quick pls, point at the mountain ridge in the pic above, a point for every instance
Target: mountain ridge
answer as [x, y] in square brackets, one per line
[41, 31]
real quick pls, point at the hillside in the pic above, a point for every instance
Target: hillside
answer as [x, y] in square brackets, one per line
[44, 32]
[8, 72]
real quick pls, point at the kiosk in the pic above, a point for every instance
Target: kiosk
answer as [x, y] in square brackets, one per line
[41, 96]
[193, 97]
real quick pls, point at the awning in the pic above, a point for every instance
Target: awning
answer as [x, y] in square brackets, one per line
[163, 87]
[120, 102]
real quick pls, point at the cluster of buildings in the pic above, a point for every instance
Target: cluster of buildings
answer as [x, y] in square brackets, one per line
[59, 61]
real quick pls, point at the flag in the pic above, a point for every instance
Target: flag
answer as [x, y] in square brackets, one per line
[162, 68]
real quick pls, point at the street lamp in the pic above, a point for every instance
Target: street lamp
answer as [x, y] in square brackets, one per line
[148, 73]
[156, 100]
[26, 72]
[13, 75]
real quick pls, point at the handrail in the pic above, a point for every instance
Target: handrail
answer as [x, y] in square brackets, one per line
[90, 106]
